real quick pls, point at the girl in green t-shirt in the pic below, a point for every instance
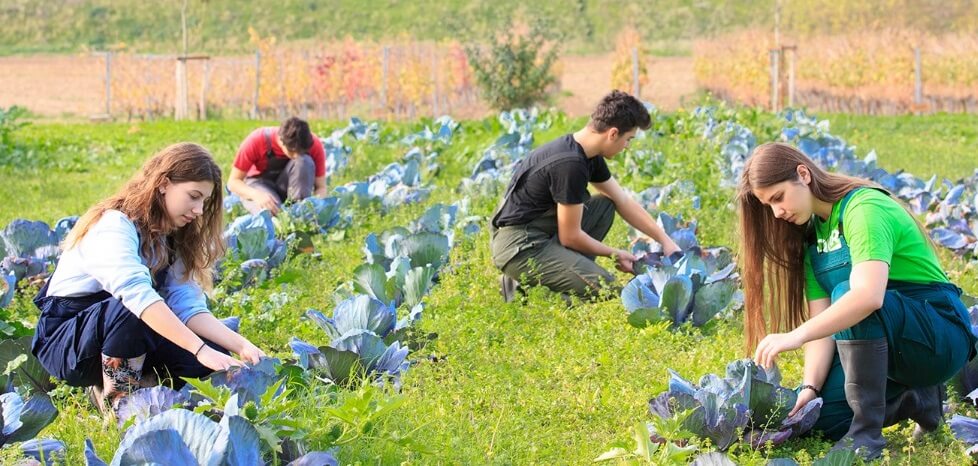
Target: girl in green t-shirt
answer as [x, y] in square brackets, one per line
[883, 329]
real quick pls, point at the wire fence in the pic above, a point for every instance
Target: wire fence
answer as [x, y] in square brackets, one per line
[406, 80]
[893, 72]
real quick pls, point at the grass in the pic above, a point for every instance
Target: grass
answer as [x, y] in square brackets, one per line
[943, 144]
[533, 383]
[222, 26]
[590, 26]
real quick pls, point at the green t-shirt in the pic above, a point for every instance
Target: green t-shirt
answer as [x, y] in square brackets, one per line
[876, 227]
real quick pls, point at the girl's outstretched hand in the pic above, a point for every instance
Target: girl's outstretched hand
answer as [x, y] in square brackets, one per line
[216, 360]
[774, 344]
[250, 353]
[803, 398]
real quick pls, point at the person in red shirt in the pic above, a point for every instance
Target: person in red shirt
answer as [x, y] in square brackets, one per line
[278, 164]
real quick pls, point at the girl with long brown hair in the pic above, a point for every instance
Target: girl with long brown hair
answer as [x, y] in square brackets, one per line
[126, 302]
[835, 265]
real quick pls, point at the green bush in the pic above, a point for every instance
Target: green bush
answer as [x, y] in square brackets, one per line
[9, 122]
[516, 70]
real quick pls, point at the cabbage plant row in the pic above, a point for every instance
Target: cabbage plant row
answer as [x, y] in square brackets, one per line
[178, 435]
[950, 208]
[364, 337]
[365, 342]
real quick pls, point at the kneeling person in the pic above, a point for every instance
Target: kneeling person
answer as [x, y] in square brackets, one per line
[125, 306]
[278, 164]
[549, 228]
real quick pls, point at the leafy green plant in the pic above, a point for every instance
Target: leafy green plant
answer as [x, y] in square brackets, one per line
[648, 452]
[10, 121]
[271, 414]
[516, 71]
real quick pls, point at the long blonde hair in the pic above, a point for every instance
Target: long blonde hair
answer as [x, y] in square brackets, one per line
[199, 244]
[772, 251]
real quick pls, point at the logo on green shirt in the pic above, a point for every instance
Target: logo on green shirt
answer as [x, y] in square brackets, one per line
[832, 243]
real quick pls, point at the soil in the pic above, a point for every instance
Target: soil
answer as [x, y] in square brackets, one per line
[72, 87]
[588, 78]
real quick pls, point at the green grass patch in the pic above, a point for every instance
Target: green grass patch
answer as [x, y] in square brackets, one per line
[943, 144]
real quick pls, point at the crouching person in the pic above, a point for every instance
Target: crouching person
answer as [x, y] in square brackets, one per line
[883, 328]
[125, 304]
[549, 229]
[275, 165]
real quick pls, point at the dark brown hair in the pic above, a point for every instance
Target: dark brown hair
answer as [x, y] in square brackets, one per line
[295, 135]
[619, 110]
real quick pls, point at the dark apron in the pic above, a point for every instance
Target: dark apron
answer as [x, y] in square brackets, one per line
[274, 165]
[71, 332]
[926, 326]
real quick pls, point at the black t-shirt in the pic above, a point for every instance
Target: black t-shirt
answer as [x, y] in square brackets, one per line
[556, 172]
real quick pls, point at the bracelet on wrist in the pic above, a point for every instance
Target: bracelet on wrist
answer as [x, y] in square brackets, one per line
[202, 345]
[812, 388]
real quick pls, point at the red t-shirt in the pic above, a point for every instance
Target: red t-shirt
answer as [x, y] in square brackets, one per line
[251, 154]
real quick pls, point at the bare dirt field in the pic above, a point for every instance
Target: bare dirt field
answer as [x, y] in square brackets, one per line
[73, 86]
[587, 78]
[59, 86]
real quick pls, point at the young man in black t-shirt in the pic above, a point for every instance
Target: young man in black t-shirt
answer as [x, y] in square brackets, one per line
[549, 228]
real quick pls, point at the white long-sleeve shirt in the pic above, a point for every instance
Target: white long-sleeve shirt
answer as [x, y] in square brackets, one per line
[108, 258]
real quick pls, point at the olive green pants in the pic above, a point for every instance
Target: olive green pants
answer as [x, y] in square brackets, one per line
[532, 253]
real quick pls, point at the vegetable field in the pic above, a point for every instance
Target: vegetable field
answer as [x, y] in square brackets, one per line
[389, 341]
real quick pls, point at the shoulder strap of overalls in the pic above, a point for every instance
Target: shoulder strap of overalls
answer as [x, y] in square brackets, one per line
[848, 197]
[159, 278]
[269, 154]
[520, 173]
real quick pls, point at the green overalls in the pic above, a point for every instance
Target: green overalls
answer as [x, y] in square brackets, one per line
[926, 327]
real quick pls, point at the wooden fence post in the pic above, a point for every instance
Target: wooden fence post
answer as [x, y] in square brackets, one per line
[918, 85]
[775, 55]
[254, 108]
[636, 85]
